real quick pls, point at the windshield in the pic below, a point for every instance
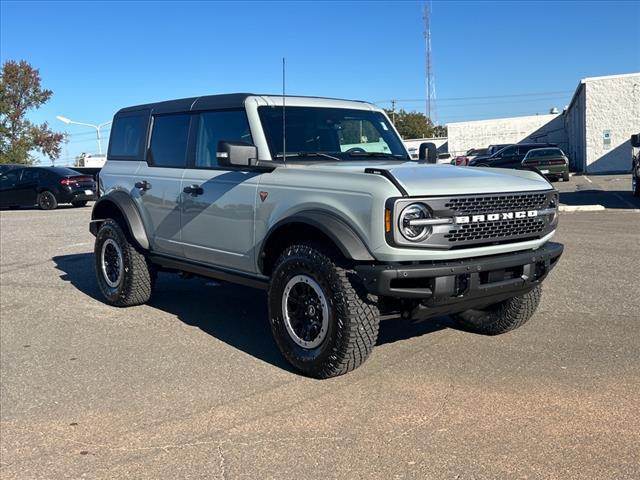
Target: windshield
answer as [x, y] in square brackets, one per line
[336, 133]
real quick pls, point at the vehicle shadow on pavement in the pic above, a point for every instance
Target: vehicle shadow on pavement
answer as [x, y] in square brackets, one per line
[233, 314]
[79, 271]
[610, 199]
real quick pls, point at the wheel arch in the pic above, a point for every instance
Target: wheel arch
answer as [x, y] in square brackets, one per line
[119, 206]
[311, 226]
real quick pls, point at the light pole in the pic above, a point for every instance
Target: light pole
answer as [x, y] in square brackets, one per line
[97, 127]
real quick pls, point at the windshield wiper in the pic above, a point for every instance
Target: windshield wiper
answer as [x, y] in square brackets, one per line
[308, 154]
[376, 154]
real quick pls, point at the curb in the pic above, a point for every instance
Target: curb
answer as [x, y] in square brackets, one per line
[580, 208]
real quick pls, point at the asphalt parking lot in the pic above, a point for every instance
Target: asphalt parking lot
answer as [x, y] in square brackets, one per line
[192, 385]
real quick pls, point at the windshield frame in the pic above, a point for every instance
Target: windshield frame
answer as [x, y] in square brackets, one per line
[272, 133]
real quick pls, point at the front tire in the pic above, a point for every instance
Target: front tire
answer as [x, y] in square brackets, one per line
[501, 317]
[80, 203]
[124, 275]
[635, 183]
[322, 319]
[47, 200]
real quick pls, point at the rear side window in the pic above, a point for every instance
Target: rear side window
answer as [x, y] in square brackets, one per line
[128, 135]
[169, 140]
[229, 125]
[30, 175]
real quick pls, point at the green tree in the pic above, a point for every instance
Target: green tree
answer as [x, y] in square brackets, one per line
[415, 125]
[20, 91]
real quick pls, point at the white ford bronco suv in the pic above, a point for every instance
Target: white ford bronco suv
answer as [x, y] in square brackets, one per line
[318, 202]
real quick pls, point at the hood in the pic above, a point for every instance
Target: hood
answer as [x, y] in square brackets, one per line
[420, 179]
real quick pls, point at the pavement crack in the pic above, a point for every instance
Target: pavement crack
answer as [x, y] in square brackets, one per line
[223, 466]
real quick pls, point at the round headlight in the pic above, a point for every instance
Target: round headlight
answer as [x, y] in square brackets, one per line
[415, 211]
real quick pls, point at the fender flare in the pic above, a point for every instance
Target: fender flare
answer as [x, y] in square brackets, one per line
[129, 211]
[343, 236]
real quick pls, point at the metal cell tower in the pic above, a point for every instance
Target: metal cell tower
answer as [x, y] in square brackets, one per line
[430, 82]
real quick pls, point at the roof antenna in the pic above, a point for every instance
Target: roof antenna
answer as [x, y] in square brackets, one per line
[284, 127]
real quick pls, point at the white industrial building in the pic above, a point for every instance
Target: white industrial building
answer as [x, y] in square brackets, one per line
[603, 114]
[464, 136]
[594, 129]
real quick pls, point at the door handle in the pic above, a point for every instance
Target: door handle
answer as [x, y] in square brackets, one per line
[143, 185]
[193, 190]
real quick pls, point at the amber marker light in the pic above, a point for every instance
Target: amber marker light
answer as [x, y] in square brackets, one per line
[387, 220]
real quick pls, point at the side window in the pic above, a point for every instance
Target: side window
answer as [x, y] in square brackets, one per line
[29, 175]
[169, 141]
[524, 150]
[509, 152]
[128, 135]
[228, 125]
[9, 179]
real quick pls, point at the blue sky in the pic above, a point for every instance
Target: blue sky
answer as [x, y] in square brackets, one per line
[100, 56]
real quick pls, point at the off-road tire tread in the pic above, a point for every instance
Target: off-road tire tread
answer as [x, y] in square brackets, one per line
[355, 309]
[139, 274]
[502, 317]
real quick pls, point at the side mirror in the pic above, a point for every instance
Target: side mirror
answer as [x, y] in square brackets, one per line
[635, 140]
[236, 154]
[428, 153]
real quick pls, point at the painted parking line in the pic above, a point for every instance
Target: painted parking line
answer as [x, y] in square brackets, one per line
[580, 208]
[588, 179]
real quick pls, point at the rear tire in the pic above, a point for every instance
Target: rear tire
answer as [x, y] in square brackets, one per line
[81, 203]
[321, 317]
[636, 183]
[501, 317]
[47, 200]
[565, 177]
[124, 275]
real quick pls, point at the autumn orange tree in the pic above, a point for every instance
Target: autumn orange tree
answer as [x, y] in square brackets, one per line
[20, 92]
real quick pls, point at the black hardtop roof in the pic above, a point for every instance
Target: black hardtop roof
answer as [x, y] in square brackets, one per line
[207, 102]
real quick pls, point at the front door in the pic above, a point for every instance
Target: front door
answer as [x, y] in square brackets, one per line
[9, 194]
[218, 204]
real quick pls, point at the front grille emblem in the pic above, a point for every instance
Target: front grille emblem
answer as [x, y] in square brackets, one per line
[492, 217]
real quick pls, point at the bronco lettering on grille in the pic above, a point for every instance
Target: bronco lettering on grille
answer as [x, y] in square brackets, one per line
[492, 217]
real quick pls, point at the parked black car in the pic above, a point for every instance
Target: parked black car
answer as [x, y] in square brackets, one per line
[45, 187]
[508, 157]
[489, 151]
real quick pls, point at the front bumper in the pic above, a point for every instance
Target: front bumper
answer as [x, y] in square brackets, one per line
[469, 281]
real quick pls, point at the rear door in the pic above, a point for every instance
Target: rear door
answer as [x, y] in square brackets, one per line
[218, 204]
[8, 192]
[27, 187]
[158, 181]
[522, 152]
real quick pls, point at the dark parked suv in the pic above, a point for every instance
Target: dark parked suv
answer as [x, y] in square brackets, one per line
[508, 157]
[45, 187]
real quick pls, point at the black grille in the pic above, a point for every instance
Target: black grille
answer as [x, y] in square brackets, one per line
[519, 227]
[496, 203]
